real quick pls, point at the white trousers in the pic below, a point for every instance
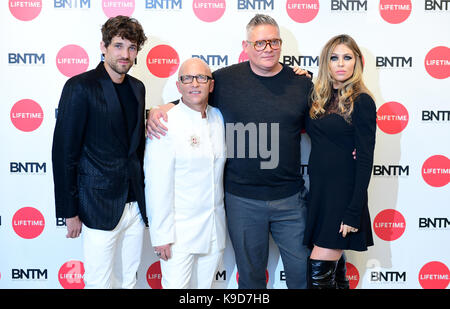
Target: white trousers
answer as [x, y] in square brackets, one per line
[191, 271]
[112, 258]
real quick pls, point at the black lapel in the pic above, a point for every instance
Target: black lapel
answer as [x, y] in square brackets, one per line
[113, 105]
[137, 131]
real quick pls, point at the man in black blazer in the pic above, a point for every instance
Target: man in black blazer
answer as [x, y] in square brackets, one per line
[97, 155]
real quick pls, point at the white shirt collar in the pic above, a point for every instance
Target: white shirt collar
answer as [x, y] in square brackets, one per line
[193, 113]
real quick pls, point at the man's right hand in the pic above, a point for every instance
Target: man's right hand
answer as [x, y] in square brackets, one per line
[73, 227]
[154, 125]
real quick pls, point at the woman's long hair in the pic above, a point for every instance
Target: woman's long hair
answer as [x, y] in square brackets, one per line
[323, 87]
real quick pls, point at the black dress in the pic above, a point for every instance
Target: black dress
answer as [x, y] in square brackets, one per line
[338, 182]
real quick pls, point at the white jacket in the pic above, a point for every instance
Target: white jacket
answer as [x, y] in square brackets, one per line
[184, 181]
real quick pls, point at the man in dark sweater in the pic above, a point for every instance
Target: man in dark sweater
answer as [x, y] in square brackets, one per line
[264, 105]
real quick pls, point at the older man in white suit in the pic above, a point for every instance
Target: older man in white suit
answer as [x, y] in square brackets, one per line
[184, 185]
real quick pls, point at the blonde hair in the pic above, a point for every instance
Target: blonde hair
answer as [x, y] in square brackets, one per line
[323, 87]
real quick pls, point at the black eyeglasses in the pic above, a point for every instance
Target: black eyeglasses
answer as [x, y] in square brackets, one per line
[201, 79]
[261, 45]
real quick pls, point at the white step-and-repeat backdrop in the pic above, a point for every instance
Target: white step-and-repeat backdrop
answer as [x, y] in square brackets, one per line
[407, 65]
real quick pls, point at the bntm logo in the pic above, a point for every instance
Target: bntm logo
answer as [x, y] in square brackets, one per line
[302, 11]
[389, 224]
[28, 222]
[25, 10]
[26, 115]
[436, 171]
[392, 117]
[209, 10]
[395, 11]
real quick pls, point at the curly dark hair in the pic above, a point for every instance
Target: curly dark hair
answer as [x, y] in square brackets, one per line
[125, 27]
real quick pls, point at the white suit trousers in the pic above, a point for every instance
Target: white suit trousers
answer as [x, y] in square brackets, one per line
[112, 258]
[191, 271]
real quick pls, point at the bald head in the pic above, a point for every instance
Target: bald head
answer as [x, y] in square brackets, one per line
[196, 84]
[194, 66]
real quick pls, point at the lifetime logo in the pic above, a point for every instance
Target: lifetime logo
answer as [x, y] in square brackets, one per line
[434, 5]
[302, 11]
[163, 4]
[437, 62]
[112, 8]
[72, 60]
[25, 10]
[28, 222]
[71, 275]
[26, 115]
[395, 11]
[392, 117]
[389, 224]
[352, 275]
[348, 5]
[163, 61]
[434, 275]
[255, 5]
[209, 10]
[72, 4]
[436, 171]
[243, 56]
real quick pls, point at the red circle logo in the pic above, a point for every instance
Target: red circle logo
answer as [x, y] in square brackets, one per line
[437, 62]
[28, 222]
[395, 11]
[436, 171]
[154, 276]
[112, 8]
[392, 117]
[163, 61]
[71, 275]
[243, 57]
[389, 224]
[302, 11]
[26, 115]
[209, 10]
[25, 10]
[434, 275]
[72, 60]
[352, 275]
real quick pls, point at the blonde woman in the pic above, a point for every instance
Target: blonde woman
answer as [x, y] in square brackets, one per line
[342, 117]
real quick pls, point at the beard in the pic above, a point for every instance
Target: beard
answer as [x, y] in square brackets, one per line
[118, 68]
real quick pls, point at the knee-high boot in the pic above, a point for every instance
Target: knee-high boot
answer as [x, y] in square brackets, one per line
[322, 274]
[341, 271]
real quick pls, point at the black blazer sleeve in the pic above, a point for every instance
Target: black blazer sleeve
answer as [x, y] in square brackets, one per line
[364, 121]
[67, 146]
